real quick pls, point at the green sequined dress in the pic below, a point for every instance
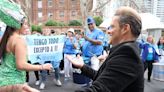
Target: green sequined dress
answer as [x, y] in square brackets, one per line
[9, 75]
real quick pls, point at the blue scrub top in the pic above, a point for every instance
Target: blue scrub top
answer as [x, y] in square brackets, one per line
[68, 46]
[90, 49]
[106, 40]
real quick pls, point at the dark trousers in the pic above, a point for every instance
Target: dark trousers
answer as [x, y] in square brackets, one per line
[36, 75]
[149, 65]
[62, 63]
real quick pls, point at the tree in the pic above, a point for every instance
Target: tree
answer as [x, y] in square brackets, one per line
[51, 23]
[75, 23]
[98, 20]
[61, 24]
[26, 6]
[54, 23]
[36, 28]
[87, 9]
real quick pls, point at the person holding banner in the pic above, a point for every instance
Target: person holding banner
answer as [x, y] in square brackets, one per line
[70, 46]
[55, 65]
[13, 51]
[123, 69]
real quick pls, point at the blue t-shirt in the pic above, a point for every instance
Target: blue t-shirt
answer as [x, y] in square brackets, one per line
[90, 49]
[81, 41]
[150, 53]
[160, 46]
[106, 40]
[68, 46]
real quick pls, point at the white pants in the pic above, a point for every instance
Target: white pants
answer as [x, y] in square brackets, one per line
[68, 66]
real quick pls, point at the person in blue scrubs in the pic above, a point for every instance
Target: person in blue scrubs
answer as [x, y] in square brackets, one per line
[93, 44]
[70, 48]
[94, 37]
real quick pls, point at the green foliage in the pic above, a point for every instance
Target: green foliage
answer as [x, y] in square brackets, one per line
[51, 23]
[98, 20]
[54, 23]
[36, 28]
[61, 24]
[75, 23]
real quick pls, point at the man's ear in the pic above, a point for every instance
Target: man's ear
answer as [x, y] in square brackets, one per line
[125, 29]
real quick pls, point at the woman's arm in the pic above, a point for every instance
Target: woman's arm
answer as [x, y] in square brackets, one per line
[20, 51]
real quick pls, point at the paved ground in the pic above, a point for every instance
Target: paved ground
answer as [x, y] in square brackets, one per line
[153, 86]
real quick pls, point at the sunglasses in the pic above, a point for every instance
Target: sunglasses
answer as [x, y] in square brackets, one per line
[109, 28]
[90, 24]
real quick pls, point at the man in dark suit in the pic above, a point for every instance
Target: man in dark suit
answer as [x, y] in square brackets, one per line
[123, 70]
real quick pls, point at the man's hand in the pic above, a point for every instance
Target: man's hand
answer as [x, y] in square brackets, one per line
[85, 37]
[78, 61]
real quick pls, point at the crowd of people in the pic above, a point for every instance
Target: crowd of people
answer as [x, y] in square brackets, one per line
[151, 53]
[122, 67]
[93, 43]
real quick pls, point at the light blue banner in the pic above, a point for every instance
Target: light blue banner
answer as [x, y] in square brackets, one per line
[45, 48]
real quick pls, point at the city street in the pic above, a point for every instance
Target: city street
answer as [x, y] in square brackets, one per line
[153, 86]
[113, 36]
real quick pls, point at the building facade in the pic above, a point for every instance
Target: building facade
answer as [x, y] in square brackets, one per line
[111, 7]
[156, 7]
[58, 10]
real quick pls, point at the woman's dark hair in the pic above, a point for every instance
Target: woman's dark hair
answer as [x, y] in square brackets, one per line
[159, 42]
[8, 32]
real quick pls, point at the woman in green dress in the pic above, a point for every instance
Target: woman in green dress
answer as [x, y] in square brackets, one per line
[13, 53]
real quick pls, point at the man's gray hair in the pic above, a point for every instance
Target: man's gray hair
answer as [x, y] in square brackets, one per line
[130, 16]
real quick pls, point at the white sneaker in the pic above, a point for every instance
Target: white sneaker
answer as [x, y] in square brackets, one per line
[62, 72]
[42, 86]
[58, 82]
[37, 83]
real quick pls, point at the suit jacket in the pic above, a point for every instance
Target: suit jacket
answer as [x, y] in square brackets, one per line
[122, 71]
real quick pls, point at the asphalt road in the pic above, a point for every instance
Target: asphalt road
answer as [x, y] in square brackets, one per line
[153, 86]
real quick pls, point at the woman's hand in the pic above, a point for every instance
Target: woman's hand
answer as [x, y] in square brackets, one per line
[47, 66]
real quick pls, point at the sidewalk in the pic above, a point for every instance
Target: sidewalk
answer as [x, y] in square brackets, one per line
[153, 86]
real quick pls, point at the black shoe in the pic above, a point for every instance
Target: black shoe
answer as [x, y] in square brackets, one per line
[149, 80]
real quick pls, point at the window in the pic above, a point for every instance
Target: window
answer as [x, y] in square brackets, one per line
[40, 15]
[73, 13]
[39, 3]
[74, 1]
[61, 1]
[50, 3]
[61, 13]
[50, 14]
